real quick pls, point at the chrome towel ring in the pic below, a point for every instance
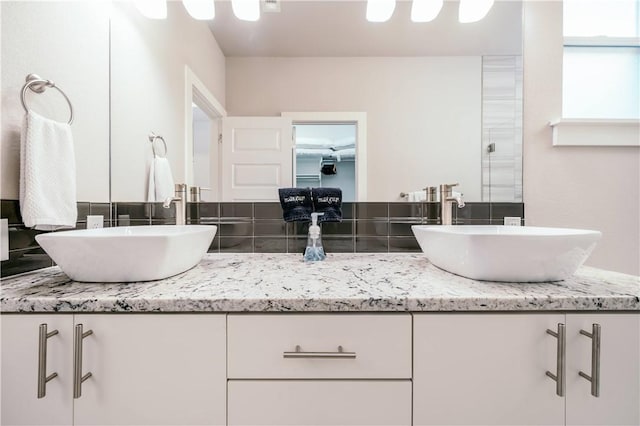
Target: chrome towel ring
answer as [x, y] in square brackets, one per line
[152, 139]
[38, 85]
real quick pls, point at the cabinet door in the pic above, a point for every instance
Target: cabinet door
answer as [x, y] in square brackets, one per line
[20, 354]
[618, 402]
[153, 369]
[319, 402]
[485, 369]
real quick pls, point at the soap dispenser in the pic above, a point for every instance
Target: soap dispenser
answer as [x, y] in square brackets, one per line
[314, 250]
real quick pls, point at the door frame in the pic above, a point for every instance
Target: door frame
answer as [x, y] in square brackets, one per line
[195, 91]
[357, 118]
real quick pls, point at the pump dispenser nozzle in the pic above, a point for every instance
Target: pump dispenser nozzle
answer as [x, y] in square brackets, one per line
[314, 250]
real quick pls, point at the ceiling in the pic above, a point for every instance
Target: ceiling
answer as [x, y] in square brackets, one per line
[339, 28]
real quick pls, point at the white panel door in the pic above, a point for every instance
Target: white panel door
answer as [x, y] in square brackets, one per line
[153, 369]
[20, 344]
[618, 402]
[485, 369]
[321, 403]
[257, 157]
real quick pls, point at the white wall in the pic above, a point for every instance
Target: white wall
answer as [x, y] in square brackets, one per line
[423, 114]
[580, 187]
[68, 43]
[148, 59]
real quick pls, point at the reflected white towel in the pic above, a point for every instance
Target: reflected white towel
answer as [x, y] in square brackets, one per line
[47, 174]
[416, 196]
[161, 185]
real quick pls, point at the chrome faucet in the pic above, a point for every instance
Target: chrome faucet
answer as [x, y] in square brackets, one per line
[447, 198]
[181, 203]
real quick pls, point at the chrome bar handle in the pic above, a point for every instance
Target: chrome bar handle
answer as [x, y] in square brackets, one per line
[78, 378]
[559, 377]
[42, 360]
[594, 378]
[340, 354]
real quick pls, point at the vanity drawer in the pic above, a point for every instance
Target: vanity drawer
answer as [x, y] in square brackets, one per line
[373, 346]
[319, 403]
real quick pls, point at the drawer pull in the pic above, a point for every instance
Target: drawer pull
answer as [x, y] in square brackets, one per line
[340, 354]
[559, 377]
[42, 360]
[594, 378]
[78, 378]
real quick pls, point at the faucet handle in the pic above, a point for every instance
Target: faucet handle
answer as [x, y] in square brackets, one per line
[451, 185]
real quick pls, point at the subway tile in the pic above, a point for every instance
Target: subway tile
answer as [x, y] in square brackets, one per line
[405, 210]
[10, 209]
[348, 211]
[158, 212]
[372, 227]
[214, 247]
[204, 212]
[21, 261]
[431, 211]
[373, 211]
[236, 210]
[22, 238]
[134, 211]
[171, 221]
[464, 221]
[372, 244]
[103, 209]
[270, 245]
[501, 210]
[338, 228]
[403, 244]
[338, 244]
[267, 211]
[236, 244]
[403, 228]
[236, 229]
[84, 209]
[125, 221]
[269, 228]
[473, 210]
[296, 245]
[297, 229]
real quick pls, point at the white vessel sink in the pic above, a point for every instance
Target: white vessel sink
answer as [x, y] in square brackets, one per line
[128, 253]
[506, 253]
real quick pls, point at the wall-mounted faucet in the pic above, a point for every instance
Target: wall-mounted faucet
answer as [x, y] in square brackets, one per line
[447, 198]
[181, 203]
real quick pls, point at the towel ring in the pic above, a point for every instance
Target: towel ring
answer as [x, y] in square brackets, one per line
[38, 85]
[152, 139]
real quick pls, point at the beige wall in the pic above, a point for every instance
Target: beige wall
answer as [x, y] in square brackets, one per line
[68, 43]
[148, 59]
[423, 113]
[579, 187]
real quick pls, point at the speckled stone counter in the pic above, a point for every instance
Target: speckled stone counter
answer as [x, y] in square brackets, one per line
[344, 282]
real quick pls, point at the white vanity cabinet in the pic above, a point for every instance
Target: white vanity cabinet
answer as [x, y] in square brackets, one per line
[336, 369]
[491, 369]
[145, 370]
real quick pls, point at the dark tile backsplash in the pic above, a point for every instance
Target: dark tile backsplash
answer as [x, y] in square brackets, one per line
[259, 228]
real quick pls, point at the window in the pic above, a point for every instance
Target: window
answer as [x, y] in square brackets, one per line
[601, 65]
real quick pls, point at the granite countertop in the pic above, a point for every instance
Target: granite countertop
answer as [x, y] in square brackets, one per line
[379, 282]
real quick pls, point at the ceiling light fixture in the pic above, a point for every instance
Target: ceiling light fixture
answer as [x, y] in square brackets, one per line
[380, 10]
[473, 10]
[246, 10]
[152, 9]
[203, 10]
[425, 10]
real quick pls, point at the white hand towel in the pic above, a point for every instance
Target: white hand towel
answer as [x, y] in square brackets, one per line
[161, 185]
[47, 174]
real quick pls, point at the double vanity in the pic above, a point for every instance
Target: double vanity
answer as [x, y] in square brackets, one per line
[359, 339]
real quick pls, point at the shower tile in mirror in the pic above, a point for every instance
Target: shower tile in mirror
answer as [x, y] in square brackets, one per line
[372, 228]
[267, 227]
[236, 211]
[373, 211]
[236, 244]
[270, 245]
[403, 244]
[267, 211]
[405, 210]
[372, 244]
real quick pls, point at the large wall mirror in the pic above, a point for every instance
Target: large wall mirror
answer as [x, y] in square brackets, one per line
[442, 100]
